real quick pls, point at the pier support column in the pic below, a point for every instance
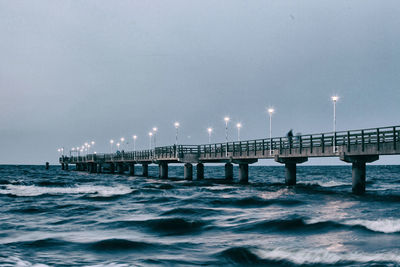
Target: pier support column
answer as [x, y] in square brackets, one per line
[62, 166]
[112, 168]
[145, 170]
[163, 170]
[88, 167]
[77, 167]
[66, 166]
[99, 168]
[228, 171]
[290, 168]
[132, 169]
[93, 168]
[120, 168]
[188, 171]
[290, 173]
[243, 173]
[359, 170]
[200, 171]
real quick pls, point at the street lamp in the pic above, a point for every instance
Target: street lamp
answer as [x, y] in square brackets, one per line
[238, 125]
[118, 144]
[111, 145]
[270, 111]
[209, 130]
[334, 99]
[150, 135]
[134, 142]
[155, 133]
[226, 119]
[122, 142]
[176, 124]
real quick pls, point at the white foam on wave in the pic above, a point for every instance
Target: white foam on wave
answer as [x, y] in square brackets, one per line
[17, 262]
[32, 190]
[331, 183]
[321, 256]
[386, 226]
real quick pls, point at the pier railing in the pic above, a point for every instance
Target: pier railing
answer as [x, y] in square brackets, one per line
[258, 148]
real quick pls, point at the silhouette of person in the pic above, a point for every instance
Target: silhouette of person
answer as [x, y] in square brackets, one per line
[290, 137]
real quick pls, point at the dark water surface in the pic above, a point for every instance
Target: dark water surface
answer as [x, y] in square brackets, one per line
[60, 218]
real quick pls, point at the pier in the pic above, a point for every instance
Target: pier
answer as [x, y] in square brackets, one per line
[357, 147]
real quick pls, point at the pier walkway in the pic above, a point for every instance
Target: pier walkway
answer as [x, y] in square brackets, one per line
[357, 147]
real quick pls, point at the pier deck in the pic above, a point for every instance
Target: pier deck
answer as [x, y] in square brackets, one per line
[356, 146]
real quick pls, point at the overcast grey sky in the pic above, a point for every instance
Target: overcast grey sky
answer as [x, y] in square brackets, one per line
[76, 71]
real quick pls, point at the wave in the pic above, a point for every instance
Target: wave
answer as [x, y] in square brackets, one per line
[331, 183]
[16, 261]
[386, 226]
[302, 225]
[255, 202]
[165, 226]
[323, 256]
[191, 211]
[244, 256]
[32, 190]
[120, 245]
[113, 244]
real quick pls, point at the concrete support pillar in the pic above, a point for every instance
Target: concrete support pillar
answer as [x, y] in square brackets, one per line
[290, 173]
[89, 167]
[93, 167]
[145, 170]
[188, 171]
[290, 168]
[132, 169]
[243, 173]
[112, 167]
[163, 170]
[359, 170]
[66, 166]
[62, 166]
[84, 167]
[228, 171]
[47, 165]
[77, 167]
[200, 171]
[358, 177]
[99, 168]
[120, 167]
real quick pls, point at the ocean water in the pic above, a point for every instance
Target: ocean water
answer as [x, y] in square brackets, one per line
[68, 218]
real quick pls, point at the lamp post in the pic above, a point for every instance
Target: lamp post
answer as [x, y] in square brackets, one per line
[238, 126]
[150, 136]
[134, 142]
[111, 145]
[134, 146]
[270, 111]
[226, 119]
[334, 99]
[154, 139]
[122, 139]
[176, 124]
[209, 130]
[118, 145]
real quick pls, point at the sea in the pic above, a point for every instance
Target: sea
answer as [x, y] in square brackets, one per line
[68, 218]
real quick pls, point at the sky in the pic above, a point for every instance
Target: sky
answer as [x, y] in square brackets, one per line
[76, 71]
